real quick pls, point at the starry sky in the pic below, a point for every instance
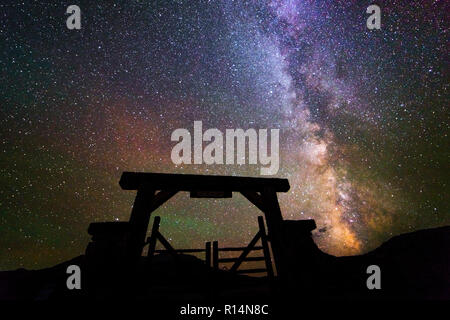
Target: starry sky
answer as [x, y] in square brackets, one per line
[363, 116]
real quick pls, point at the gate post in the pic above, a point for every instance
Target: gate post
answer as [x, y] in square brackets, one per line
[274, 221]
[208, 254]
[215, 255]
[139, 219]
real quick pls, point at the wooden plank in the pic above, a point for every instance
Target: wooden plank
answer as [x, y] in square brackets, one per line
[190, 182]
[240, 248]
[265, 246]
[245, 252]
[138, 224]
[226, 260]
[160, 198]
[274, 221]
[144, 204]
[166, 243]
[215, 255]
[211, 194]
[152, 239]
[255, 198]
[251, 270]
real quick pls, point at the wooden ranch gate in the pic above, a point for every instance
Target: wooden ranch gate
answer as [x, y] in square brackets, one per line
[243, 257]
[154, 189]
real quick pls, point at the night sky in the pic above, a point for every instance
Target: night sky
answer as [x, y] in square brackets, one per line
[363, 116]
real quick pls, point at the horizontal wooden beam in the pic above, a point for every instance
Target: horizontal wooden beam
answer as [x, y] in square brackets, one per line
[190, 182]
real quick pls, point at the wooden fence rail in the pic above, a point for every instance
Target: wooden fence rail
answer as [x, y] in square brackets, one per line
[243, 257]
[216, 260]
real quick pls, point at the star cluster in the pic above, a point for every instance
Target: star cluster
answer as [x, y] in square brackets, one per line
[362, 115]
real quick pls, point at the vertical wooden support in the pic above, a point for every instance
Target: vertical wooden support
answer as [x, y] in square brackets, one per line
[153, 237]
[266, 251]
[274, 221]
[215, 255]
[208, 254]
[139, 219]
[145, 203]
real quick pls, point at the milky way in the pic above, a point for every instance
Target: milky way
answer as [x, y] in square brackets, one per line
[362, 116]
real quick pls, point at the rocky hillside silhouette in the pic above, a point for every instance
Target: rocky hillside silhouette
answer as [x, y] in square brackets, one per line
[413, 266]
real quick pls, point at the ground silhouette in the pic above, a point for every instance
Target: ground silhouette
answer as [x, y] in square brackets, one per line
[415, 265]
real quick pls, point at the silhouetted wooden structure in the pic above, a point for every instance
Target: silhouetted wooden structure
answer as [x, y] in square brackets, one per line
[243, 257]
[237, 261]
[157, 236]
[154, 189]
